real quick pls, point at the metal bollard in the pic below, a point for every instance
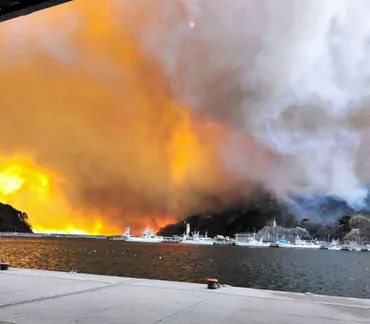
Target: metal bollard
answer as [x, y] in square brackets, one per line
[212, 283]
[4, 266]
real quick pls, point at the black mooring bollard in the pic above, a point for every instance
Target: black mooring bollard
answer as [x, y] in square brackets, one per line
[4, 266]
[212, 283]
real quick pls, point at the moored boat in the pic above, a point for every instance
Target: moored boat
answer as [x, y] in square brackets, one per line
[173, 239]
[147, 236]
[195, 238]
[300, 244]
[253, 243]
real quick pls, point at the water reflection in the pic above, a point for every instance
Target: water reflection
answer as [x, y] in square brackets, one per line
[322, 272]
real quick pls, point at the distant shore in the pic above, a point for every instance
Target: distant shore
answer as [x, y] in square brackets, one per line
[51, 235]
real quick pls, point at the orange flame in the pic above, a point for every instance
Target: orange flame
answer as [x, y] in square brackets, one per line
[38, 191]
[185, 150]
[105, 132]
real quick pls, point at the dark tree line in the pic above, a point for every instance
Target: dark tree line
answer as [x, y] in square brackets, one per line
[251, 216]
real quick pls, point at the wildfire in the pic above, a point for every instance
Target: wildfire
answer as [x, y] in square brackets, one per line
[39, 192]
[106, 136]
[10, 180]
[185, 151]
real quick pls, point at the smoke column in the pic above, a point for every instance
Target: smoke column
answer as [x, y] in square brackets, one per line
[292, 75]
[151, 106]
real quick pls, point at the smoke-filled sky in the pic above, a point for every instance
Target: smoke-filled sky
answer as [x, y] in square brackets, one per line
[152, 107]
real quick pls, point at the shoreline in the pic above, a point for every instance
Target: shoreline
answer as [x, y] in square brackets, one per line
[62, 297]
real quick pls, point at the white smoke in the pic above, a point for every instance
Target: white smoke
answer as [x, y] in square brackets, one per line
[294, 75]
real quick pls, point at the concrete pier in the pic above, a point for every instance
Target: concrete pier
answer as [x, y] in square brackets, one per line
[38, 297]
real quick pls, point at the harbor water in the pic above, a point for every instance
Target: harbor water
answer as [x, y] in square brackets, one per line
[336, 273]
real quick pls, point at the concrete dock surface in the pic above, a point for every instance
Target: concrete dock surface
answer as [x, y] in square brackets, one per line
[38, 297]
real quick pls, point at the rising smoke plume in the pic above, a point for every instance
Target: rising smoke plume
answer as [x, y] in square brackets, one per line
[292, 75]
[150, 107]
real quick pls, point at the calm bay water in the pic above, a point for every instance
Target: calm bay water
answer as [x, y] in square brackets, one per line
[323, 272]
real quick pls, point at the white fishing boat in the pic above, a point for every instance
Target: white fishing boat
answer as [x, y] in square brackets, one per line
[334, 246]
[147, 236]
[253, 243]
[249, 240]
[199, 241]
[195, 238]
[299, 244]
